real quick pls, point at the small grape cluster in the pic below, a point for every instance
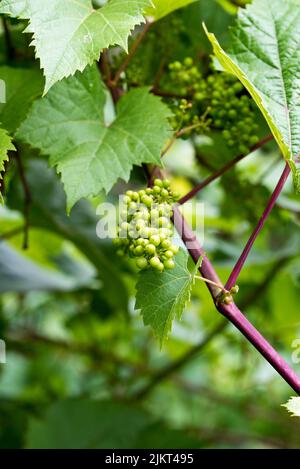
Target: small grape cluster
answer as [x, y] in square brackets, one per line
[145, 229]
[186, 75]
[217, 101]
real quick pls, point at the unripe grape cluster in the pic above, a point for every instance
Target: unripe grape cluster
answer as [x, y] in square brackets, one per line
[220, 98]
[145, 230]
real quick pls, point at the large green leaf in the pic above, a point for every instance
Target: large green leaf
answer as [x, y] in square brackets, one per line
[6, 145]
[162, 297]
[69, 35]
[69, 125]
[22, 86]
[293, 406]
[265, 56]
[162, 8]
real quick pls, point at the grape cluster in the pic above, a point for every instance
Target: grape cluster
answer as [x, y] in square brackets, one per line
[217, 101]
[145, 228]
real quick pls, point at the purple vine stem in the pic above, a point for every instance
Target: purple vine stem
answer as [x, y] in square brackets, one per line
[231, 311]
[242, 259]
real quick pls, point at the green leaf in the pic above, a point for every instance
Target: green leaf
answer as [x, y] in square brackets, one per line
[265, 56]
[162, 297]
[293, 406]
[22, 87]
[5, 146]
[162, 8]
[71, 34]
[69, 125]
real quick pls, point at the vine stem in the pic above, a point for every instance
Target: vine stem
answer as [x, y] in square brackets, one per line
[231, 311]
[131, 53]
[178, 134]
[242, 259]
[223, 170]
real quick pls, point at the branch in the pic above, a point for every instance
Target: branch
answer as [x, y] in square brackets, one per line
[222, 170]
[241, 261]
[27, 197]
[231, 312]
[131, 53]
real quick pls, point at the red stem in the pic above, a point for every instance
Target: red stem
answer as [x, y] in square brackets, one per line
[222, 170]
[241, 261]
[231, 312]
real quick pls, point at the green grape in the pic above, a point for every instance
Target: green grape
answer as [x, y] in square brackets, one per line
[155, 262]
[142, 263]
[155, 239]
[150, 249]
[169, 264]
[169, 254]
[166, 244]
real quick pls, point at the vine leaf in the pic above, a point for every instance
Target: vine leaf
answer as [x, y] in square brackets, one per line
[265, 57]
[293, 406]
[162, 297]
[70, 126]
[69, 35]
[23, 86]
[162, 8]
[6, 145]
